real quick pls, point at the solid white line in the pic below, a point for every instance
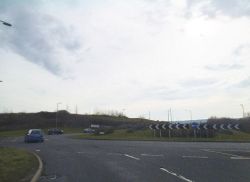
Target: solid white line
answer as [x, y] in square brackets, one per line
[132, 157]
[240, 158]
[152, 155]
[177, 175]
[197, 157]
[38, 150]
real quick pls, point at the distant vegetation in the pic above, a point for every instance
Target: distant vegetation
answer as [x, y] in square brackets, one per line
[111, 120]
[18, 121]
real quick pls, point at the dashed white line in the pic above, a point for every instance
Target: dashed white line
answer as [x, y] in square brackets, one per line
[114, 153]
[223, 153]
[132, 157]
[196, 157]
[38, 150]
[81, 152]
[176, 175]
[240, 158]
[152, 155]
[14, 140]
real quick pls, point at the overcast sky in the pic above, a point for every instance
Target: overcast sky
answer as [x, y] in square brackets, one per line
[133, 56]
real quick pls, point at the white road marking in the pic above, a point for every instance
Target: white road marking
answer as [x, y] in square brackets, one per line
[14, 140]
[38, 150]
[223, 153]
[197, 157]
[177, 175]
[80, 152]
[53, 178]
[132, 157]
[114, 153]
[46, 139]
[236, 150]
[240, 158]
[152, 155]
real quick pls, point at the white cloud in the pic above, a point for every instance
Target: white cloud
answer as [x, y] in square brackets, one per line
[143, 55]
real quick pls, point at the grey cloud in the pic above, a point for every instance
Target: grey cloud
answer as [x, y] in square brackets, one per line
[197, 82]
[238, 51]
[37, 37]
[244, 83]
[224, 67]
[234, 8]
[165, 93]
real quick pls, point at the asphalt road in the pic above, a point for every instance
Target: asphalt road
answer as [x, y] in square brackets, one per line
[74, 160]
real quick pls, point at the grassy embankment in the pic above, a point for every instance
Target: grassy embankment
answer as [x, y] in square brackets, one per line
[16, 165]
[148, 135]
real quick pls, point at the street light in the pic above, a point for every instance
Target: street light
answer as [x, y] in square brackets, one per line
[57, 104]
[5, 23]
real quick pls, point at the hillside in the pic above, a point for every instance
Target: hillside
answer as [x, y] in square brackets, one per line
[14, 121]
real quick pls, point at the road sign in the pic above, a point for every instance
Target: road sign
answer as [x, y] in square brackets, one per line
[236, 126]
[205, 126]
[195, 125]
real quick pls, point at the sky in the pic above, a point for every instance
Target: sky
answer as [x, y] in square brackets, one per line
[139, 57]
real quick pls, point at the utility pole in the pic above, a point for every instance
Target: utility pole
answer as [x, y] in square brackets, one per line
[243, 110]
[169, 132]
[76, 111]
[57, 104]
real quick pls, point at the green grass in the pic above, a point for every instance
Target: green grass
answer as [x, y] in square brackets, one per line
[16, 165]
[17, 133]
[72, 130]
[148, 135]
[14, 133]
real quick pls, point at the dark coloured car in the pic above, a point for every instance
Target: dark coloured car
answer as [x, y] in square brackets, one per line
[89, 130]
[34, 135]
[55, 131]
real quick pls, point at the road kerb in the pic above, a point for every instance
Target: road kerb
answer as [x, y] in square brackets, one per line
[39, 170]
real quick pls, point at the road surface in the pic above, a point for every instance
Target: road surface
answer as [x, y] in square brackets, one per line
[75, 160]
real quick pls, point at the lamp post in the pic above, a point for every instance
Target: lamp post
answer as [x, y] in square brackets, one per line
[57, 104]
[5, 23]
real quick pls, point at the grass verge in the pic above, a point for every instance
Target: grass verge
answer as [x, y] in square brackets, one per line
[14, 133]
[17, 133]
[16, 165]
[147, 135]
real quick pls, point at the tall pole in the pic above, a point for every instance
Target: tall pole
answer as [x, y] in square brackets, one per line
[243, 110]
[57, 104]
[169, 132]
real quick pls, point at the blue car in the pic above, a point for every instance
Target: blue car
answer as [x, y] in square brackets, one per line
[34, 135]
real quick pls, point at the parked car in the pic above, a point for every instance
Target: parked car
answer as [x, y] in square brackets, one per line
[34, 135]
[89, 130]
[55, 131]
